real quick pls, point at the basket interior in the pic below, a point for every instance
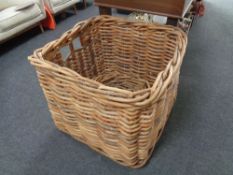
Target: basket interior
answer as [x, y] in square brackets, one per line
[122, 55]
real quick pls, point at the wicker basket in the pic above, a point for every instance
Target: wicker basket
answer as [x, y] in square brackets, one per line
[115, 92]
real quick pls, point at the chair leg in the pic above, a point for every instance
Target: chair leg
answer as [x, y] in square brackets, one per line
[75, 9]
[41, 28]
[84, 3]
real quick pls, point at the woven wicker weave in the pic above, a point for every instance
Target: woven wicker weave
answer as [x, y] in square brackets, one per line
[116, 91]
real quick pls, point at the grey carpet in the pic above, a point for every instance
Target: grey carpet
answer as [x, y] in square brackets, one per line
[198, 138]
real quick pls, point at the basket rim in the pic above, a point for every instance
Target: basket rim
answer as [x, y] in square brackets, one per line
[38, 60]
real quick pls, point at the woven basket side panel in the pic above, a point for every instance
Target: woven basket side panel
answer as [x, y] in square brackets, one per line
[110, 47]
[88, 61]
[136, 52]
[56, 91]
[85, 116]
[55, 56]
[153, 120]
[83, 61]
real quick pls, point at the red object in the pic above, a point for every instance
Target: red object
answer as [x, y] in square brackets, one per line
[201, 10]
[49, 22]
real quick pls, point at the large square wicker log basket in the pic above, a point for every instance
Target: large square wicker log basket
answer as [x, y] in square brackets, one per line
[115, 92]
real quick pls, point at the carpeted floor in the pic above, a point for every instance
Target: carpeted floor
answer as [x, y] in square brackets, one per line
[198, 138]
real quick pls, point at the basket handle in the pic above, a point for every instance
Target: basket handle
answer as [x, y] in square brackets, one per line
[65, 39]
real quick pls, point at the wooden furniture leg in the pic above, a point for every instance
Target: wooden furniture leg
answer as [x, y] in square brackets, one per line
[41, 28]
[84, 3]
[75, 9]
[105, 10]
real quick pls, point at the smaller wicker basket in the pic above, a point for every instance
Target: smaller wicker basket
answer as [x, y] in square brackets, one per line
[115, 92]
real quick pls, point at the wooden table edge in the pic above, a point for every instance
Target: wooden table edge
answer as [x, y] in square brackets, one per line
[138, 10]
